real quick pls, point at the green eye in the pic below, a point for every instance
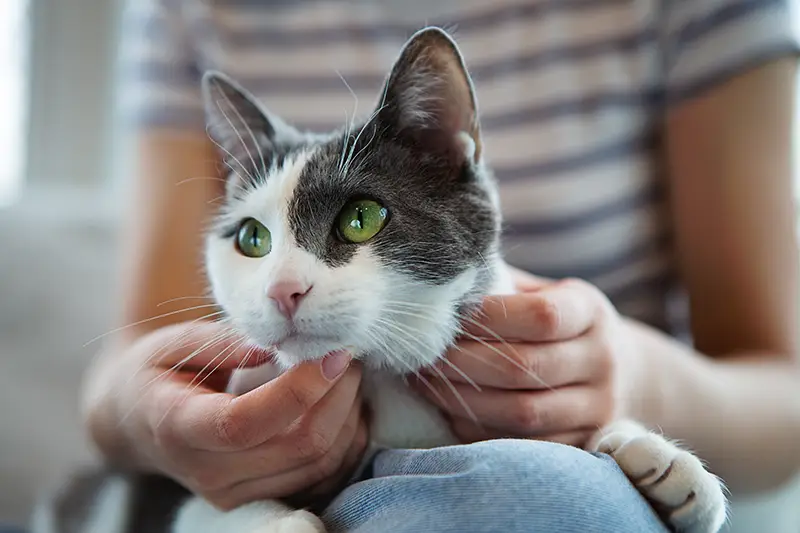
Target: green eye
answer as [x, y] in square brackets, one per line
[361, 220]
[253, 239]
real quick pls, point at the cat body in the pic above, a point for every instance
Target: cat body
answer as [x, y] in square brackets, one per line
[380, 240]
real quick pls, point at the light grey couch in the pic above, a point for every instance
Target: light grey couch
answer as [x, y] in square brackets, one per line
[56, 256]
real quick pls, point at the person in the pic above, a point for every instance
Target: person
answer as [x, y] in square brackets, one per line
[643, 151]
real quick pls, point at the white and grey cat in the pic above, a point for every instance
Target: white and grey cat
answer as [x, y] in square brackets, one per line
[375, 239]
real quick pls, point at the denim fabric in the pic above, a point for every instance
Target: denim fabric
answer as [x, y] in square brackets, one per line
[509, 486]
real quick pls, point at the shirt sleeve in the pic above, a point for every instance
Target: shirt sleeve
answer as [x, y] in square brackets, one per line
[159, 74]
[707, 42]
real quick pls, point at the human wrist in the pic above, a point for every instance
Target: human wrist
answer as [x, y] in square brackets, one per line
[643, 387]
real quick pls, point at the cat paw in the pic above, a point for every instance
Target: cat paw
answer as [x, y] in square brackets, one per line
[294, 522]
[687, 497]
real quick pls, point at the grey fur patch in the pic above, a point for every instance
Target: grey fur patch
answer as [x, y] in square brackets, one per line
[410, 158]
[69, 509]
[156, 500]
[441, 219]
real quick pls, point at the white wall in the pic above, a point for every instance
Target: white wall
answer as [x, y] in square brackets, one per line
[71, 134]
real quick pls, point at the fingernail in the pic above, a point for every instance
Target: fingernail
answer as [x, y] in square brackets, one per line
[335, 363]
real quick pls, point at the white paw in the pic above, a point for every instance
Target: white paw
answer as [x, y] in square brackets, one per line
[687, 497]
[294, 522]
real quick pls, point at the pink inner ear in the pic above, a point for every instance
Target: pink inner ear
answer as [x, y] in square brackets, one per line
[437, 94]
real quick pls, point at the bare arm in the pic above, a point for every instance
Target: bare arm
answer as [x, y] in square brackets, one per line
[737, 404]
[162, 243]
[175, 188]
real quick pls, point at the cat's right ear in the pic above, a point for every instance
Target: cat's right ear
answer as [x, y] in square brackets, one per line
[244, 132]
[429, 98]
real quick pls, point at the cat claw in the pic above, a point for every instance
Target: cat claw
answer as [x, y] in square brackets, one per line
[687, 497]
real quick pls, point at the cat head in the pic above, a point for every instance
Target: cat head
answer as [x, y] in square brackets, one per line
[375, 238]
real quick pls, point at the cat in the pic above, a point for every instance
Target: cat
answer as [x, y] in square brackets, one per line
[378, 239]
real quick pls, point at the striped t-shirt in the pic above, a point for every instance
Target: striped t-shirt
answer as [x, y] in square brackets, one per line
[571, 92]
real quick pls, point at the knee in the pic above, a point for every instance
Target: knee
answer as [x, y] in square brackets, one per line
[502, 485]
[539, 464]
[544, 483]
[534, 465]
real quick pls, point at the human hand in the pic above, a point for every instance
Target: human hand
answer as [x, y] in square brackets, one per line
[562, 371]
[304, 428]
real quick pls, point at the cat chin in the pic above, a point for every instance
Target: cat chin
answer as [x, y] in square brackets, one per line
[293, 352]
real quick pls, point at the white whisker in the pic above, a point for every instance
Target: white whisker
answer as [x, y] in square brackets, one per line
[388, 353]
[461, 373]
[216, 339]
[159, 354]
[140, 322]
[235, 159]
[252, 136]
[233, 347]
[236, 131]
[458, 396]
[179, 298]
[494, 349]
[348, 127]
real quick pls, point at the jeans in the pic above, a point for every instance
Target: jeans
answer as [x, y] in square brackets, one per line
[512, 486]
[500, 486]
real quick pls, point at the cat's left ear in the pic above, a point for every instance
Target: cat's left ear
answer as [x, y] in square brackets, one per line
[244, 131]
[429, 98]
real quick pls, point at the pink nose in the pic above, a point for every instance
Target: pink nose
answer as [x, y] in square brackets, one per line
[288, 295]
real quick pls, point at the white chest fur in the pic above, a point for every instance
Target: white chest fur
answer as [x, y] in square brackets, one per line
[401, 418]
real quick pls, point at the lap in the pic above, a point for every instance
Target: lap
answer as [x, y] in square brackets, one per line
[503, 485]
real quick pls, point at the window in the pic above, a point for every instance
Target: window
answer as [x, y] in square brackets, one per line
[13, 101]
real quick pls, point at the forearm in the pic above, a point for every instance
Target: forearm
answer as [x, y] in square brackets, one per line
[741, 413]
[105, 420]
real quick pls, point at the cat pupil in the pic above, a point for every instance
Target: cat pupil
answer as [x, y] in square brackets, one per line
[358, 223]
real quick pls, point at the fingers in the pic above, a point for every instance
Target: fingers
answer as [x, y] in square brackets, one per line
[311, 436]
[525, 413]
[351, 461]
[343, 454]
[559, 311]
[223, 422]
[525, 366]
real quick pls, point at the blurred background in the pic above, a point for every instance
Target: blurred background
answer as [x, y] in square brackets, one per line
[59, 207]
[61, 197]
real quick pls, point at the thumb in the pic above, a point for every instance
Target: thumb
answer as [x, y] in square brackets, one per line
[263, 412]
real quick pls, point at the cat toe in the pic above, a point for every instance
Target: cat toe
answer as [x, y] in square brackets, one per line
[693, 498]
[674, 481]
[295, 522]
